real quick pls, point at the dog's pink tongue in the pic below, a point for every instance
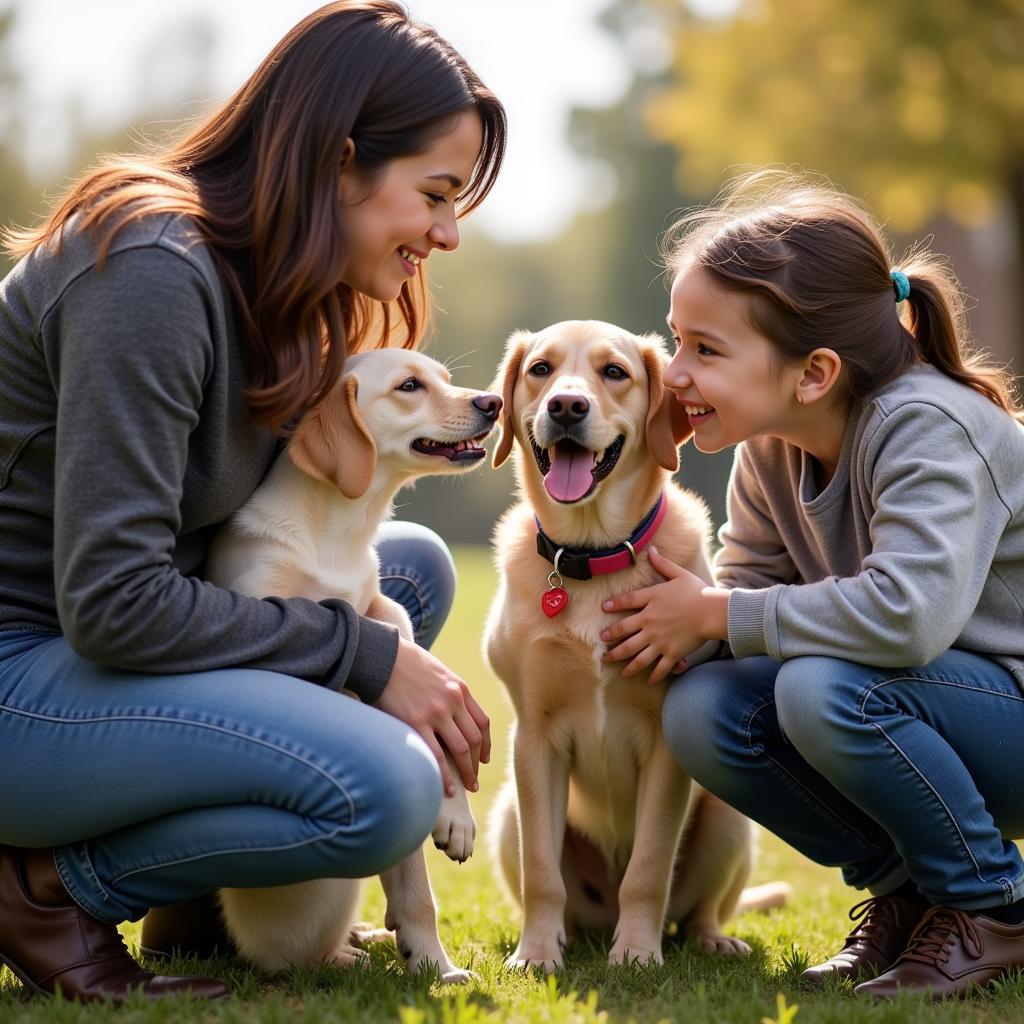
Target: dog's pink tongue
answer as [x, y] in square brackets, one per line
[569, 477]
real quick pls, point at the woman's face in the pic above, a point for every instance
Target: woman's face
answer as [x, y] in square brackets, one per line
[396, 220]
[723, 371]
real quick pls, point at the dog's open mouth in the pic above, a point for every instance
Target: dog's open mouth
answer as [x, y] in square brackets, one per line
[571, 471]
[465, 450]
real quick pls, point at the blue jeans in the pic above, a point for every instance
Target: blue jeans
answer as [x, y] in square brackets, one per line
[155, 789]
[889, 774]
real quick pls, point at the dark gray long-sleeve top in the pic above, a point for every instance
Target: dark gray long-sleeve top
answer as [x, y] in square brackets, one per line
[124, 442]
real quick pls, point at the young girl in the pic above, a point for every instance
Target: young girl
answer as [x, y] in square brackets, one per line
[168, 323]
[870, 582]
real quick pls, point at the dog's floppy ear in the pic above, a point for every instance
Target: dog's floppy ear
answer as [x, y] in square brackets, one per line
[658, 430]
[332, 443]
[508, 374]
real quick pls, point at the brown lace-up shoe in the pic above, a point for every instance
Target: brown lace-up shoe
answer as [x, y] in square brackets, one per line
[885, 925]
[192, 928]
[950, 952]
[50, 943]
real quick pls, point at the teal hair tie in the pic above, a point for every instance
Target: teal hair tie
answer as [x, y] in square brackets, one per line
[901, 283]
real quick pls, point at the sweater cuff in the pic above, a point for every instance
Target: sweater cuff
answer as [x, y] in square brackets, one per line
[374, 659]
[747, 610]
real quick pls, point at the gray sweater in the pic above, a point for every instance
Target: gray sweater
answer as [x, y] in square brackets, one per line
[124, 442]
[915, 546]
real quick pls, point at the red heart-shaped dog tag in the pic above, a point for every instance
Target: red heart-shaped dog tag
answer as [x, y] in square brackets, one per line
[554, 601]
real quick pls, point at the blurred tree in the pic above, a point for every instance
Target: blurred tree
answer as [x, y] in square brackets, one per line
[17, 192]
[917, 106]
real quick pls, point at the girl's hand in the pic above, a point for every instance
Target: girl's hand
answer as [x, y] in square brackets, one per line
[672, 619]
[426, 695]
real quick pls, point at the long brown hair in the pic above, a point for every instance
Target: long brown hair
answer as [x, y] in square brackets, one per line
[815, 269]
[260, 177]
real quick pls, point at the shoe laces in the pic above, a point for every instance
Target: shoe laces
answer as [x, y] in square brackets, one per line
[933, 938]
[876, 915]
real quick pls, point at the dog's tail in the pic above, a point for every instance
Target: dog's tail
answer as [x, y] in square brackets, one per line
[764, 897]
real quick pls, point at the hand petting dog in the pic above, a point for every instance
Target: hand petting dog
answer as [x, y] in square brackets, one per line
[437, 704]
[671, 620]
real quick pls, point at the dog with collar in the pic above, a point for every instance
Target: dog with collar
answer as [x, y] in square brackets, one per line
[597, 826]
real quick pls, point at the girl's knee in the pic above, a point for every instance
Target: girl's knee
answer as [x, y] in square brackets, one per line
[699, 720]
[815, 697]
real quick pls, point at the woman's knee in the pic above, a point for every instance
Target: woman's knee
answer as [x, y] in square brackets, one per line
[417, 571]
[400, 805]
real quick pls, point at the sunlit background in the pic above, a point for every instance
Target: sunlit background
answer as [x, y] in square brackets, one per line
[621, 113]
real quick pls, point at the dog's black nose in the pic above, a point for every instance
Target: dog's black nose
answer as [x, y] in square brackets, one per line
[489, 405]
[567, 409]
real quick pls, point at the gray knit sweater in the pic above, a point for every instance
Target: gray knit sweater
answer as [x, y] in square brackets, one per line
[124, 442]
[915, 546]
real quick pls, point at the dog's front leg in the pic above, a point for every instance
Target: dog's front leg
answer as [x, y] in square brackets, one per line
[455, 829]
[413, 918]
[542, 787]
[662, 796]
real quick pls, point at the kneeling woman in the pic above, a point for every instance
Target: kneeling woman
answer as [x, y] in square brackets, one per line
[161, 737]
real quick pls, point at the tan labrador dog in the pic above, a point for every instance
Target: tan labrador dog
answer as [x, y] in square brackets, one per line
[308, 531]
[595, 832]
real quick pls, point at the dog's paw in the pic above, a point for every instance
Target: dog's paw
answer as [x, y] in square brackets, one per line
[348, 956]
[452, 975]
[523, 959]
[631, 953]
[455, 832]
[718, 944]
[363, 933]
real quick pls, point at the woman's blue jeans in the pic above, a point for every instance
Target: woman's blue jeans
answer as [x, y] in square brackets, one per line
[889, 774]
[155, 789]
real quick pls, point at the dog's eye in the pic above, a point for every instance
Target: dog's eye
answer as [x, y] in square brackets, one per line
[540, 369]
[409, 384]
[615, 372]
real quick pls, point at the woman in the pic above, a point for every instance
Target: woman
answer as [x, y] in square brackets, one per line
[166, 325]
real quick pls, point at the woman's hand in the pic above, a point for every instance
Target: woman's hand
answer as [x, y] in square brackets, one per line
[426, 695]
[672, 619]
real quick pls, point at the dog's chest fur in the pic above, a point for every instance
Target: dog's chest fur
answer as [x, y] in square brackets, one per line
[604, 724]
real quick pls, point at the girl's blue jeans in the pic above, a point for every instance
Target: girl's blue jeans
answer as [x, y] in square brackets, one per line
[889, 774]
[158, 788]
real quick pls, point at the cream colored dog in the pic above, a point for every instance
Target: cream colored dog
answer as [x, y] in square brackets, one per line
[308, 531]
[595, 833]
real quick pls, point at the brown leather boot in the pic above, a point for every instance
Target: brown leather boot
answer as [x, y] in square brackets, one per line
[885, 925]
[51, 943]
[192, 928]
[950, 952]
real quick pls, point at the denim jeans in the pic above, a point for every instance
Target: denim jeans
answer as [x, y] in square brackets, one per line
[155, 789]
[889, 774]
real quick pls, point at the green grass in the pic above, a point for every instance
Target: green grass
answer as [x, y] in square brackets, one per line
[479, 926]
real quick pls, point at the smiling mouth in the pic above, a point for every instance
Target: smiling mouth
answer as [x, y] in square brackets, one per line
[570, 471]
[466, 450]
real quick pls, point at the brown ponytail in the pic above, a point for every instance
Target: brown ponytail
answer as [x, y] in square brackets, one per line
[934, 316]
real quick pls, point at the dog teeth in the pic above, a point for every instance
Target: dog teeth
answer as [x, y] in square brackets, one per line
[457, 446]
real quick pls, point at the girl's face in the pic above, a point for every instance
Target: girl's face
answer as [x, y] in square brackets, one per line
[722, 371]
[396, 220]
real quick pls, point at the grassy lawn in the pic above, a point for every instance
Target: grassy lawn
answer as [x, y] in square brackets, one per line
[479, 926]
